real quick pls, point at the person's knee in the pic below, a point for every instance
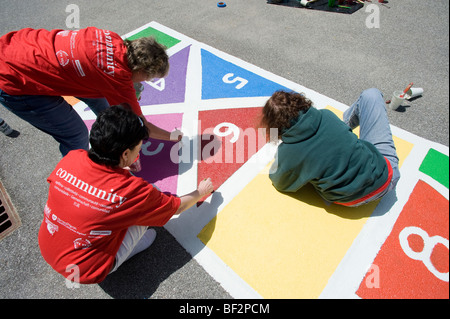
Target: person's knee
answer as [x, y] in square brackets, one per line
[371, 94]
[371, 98]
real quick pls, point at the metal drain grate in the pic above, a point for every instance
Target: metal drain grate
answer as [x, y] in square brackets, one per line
[9, 219]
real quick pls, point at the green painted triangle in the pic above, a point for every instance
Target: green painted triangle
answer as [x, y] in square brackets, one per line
[436, 166]
[162, 38]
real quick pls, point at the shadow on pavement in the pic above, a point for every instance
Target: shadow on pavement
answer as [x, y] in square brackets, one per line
[140, 276]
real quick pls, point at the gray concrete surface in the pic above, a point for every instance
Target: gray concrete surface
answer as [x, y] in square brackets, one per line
[333, 54]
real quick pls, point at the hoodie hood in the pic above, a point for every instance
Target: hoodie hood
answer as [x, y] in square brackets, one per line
[304, 127]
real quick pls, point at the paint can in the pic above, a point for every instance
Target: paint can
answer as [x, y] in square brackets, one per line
[138, 87]
[397, 99]
[5, 128]
[136, 165]
[413, 92]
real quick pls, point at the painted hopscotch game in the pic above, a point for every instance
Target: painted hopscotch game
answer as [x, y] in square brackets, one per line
[257, 242]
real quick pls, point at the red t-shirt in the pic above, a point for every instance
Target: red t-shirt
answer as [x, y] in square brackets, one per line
[89, 63]
[88, 212]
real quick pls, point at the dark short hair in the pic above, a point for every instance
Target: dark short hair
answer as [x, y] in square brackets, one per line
[116, 129]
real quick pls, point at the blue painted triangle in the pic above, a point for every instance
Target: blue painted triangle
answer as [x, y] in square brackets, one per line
[223, 79]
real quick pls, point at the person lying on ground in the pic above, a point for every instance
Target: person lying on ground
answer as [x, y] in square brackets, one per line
[318, 148]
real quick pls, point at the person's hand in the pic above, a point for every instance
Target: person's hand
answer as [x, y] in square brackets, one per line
[205, 187]
[187, 201]
[176, 136]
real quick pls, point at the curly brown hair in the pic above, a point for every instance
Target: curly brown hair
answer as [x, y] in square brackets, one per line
[282, 110]
[146, 54]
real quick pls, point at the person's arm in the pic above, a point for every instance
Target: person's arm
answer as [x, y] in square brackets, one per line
[187, 201]
[161, 134]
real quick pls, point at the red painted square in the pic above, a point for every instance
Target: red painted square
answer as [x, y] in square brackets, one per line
[416, 253]
[228, 139]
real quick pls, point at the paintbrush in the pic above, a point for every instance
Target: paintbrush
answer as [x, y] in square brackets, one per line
[407, 89]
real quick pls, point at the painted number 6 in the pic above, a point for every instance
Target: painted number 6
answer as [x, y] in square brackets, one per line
[231, 129]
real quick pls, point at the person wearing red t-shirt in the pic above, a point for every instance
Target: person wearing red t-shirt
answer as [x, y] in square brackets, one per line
[98, 214]
[38, 67]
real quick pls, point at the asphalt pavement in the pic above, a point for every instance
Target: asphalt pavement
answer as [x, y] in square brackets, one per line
[337, 55]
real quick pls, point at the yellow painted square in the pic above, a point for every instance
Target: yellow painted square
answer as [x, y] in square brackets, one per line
[285, 246]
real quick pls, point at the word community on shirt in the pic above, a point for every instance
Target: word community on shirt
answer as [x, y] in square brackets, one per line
[92, 190]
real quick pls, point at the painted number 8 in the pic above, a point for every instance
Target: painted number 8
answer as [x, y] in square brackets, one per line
[425, 254]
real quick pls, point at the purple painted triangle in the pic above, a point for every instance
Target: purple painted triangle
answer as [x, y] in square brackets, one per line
[159, 165]
[174, 87]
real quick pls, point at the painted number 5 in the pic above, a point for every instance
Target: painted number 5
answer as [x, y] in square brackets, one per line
[227, 78]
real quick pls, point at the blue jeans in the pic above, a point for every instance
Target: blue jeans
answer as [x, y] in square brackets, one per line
[54, 116]
[369, 112]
